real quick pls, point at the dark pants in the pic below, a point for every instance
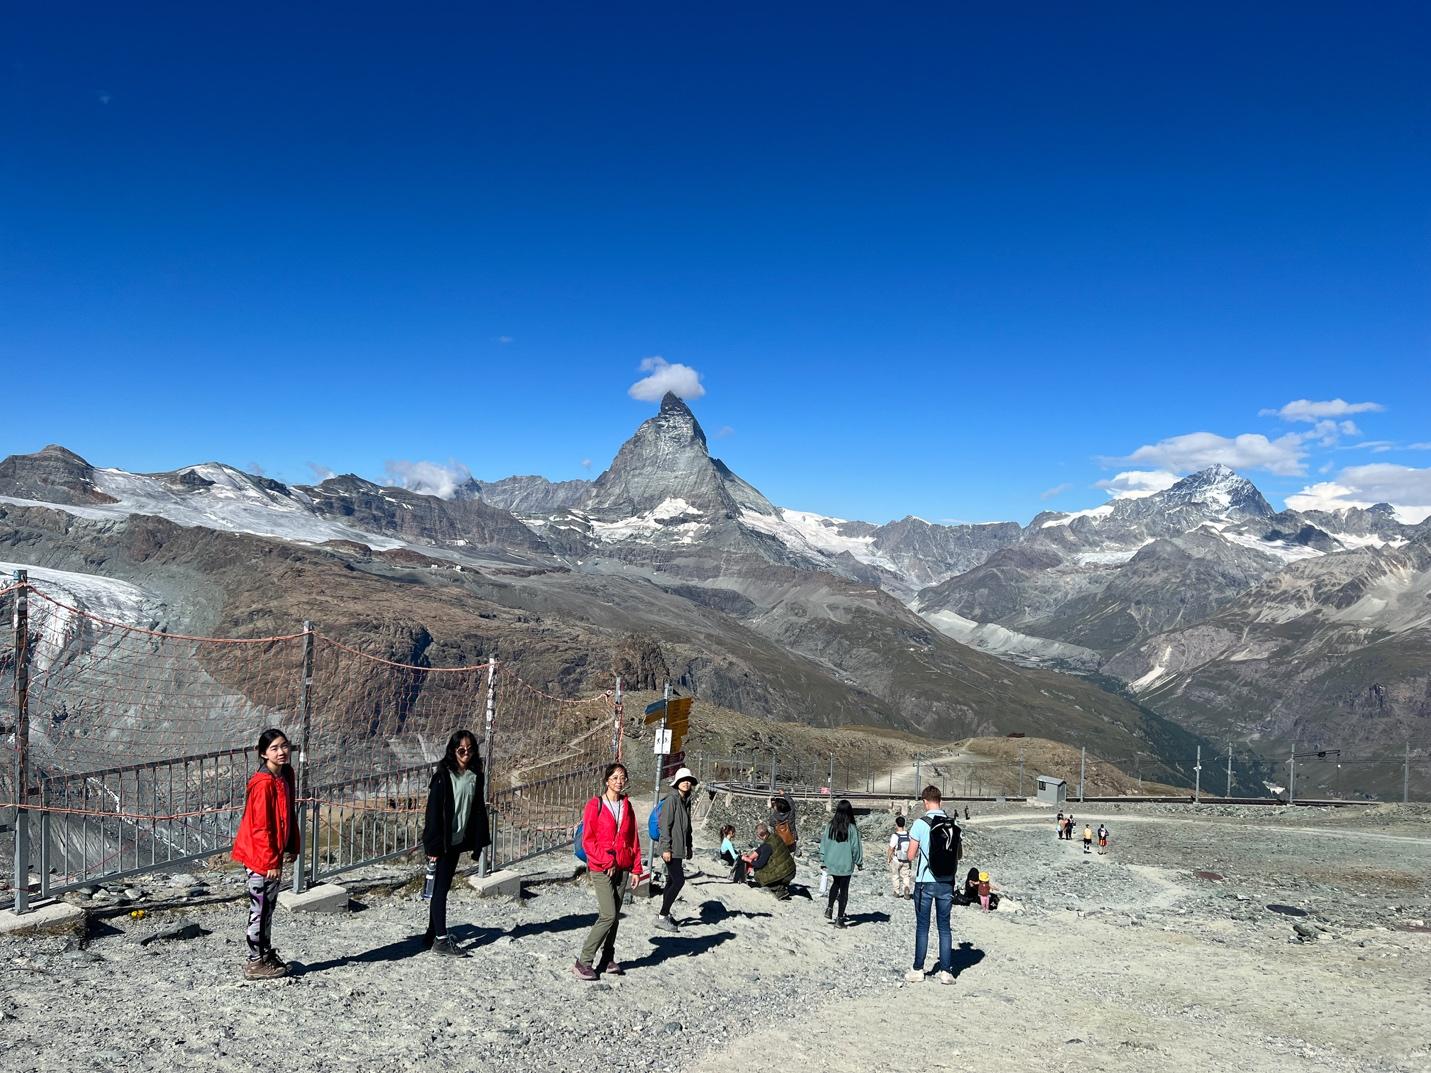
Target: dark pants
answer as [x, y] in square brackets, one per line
[262, 897]
[437, 908]
[839, 892]
[675, 880]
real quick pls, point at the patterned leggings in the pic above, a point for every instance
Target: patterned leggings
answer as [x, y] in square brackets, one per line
[262, 897]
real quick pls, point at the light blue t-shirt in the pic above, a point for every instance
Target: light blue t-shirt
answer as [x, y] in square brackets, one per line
[920, 833]
[727, 847]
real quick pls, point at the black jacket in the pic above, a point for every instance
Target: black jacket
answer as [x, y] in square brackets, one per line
[437, 829]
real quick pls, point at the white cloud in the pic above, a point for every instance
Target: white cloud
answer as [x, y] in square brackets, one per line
[1407, 489]
[1309, 411]
[586, 463]
[724, 432]
[320, 472]
[1056, 490]
[1328, 433]
[1198, 450]
[1137, 483]
[428, 478]
[664, 376]
[1418, 446]
[504, 339]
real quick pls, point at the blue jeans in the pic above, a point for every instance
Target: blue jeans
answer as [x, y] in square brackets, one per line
[938, 896]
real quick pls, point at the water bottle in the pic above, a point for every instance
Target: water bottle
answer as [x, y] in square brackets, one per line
[430, 884]
[824, 881]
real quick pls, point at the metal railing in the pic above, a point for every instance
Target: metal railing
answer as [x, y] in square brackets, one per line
[365, 820]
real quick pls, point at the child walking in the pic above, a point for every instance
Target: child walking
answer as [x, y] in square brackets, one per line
[456, 823]
[267, 839]
[841, 853]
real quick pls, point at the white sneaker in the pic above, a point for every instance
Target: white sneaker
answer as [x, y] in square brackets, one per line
[914, 976]
[946, 978]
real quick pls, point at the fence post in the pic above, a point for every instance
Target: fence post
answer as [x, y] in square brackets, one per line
[1197, 772]
[618, 730]
[305, 711]
[1406, 776]
[660, 763]
[1292, 776]
[1229, 769]
[484, 865]
[22, 741]
[1082, 770]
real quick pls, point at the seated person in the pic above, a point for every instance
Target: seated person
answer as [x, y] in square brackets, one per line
[969, 893]
[727, 854]
[770, 864]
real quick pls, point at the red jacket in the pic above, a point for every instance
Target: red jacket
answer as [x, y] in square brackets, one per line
[269, 827]
[608, 844]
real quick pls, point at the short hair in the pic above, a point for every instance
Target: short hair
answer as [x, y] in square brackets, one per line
[931, 793]
[762, 830]
[899, 821]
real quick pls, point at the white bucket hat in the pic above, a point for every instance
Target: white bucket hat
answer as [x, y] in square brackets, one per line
[684, 773]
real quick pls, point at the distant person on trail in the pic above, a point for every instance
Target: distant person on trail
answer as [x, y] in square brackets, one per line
[456, 823]
[934, 848]
[1102, 839]
[770, 864]
[1059, 822]
[900, 877]
[1087, 838]
[613, 851]
[841, 853]
[674, 843]
[267, 839]
[782, 821]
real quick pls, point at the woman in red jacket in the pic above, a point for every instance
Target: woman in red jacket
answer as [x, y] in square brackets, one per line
[267, 839]
[613, 851]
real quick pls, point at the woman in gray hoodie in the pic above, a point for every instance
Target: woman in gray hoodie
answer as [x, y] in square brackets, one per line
[674, 842]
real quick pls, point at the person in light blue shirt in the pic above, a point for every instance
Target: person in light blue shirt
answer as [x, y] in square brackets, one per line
[933, 893]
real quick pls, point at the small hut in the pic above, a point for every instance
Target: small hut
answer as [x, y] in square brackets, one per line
[1052, 791]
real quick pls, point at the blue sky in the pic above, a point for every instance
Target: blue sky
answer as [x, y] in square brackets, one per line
[941, 263]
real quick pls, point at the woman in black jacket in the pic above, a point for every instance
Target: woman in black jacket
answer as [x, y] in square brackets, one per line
[456, 824]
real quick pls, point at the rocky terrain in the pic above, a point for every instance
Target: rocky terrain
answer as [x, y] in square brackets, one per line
[1210, 938]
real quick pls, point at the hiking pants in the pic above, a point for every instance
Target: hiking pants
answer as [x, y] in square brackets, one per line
[935, 898]
[675, 880]
[900, 879]
[262, 897]
[437, 907]
[610, 888]
[839, 892]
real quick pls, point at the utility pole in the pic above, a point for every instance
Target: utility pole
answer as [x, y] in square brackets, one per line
[484, 862]
[917, 787]
[1082, 770]
[1292, 776]
[772, 769]
[1229, 770]
[1197, 772]
[1406, 776]
[307, 854]
[1021, 769]
[661, 764]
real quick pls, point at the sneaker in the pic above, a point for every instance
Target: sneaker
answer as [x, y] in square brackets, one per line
[946, 977]
[445, 947]
[782, 894]
[829, 912]
[914, 976]
[840, 922]
[584, 972]
[665, 923]
[260, 969]
[612, 968]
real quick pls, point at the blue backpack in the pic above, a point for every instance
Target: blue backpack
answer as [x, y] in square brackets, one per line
[653, 825]
[578, 848]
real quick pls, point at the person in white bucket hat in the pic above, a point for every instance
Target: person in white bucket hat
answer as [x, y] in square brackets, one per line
[674, 842]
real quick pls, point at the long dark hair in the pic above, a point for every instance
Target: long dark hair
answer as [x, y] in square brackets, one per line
[843, 821]
[267, 738]
[449, 758]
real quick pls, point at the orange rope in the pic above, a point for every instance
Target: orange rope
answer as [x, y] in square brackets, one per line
[401, 666]
[161, 634]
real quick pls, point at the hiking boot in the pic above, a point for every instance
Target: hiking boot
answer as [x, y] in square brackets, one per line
[914, 976]
[584, 972]
[946, 977]
[665, 923]
[782, 894]
[259, 969]
[829, 912]
[273, 959]
[840, 922]
[445, 947]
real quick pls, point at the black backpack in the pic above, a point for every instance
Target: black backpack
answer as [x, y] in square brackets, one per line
[945, 846]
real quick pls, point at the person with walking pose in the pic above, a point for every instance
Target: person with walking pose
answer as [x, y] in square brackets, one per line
[1087, 838]
[934, 848]
[674, 843]
[841, 853]
[613, 852]
[901, 880]
[456, 823]
[266, 840]
[1102, 839]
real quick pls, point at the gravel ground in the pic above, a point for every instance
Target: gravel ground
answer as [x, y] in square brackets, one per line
[1125, 962]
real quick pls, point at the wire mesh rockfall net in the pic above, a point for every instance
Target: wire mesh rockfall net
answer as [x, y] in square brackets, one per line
[140, 742]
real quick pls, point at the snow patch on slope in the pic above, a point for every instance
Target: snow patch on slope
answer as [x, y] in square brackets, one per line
[1008, 644]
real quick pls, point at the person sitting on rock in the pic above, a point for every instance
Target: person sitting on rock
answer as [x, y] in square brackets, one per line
[770, 863]
[782, 821]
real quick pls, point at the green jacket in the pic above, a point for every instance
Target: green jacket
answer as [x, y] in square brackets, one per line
[781, 866]
[842, 858]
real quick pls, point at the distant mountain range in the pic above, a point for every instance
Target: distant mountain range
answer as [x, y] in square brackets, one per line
[1148, 624]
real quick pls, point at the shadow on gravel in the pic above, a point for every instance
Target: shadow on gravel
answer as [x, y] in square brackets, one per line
[714, 912]
[867, 918]
[570, 922]
[466, 935]
[676, 946]
[966, 956]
